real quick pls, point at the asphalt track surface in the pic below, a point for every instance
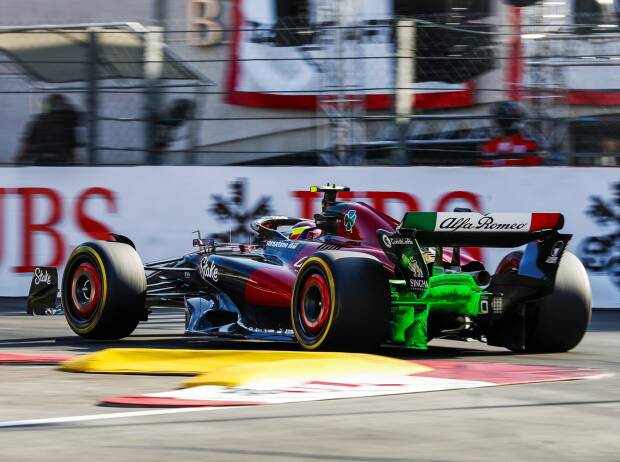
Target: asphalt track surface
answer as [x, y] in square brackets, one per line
[561, 421]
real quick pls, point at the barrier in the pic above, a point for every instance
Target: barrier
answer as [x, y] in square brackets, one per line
[45, 212]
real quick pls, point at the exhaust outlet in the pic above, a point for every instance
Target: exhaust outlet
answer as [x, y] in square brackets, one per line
[482, 278]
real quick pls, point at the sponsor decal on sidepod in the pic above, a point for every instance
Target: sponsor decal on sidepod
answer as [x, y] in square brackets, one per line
[208, 270]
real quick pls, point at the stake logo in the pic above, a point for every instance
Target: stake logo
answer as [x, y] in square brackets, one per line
[42, 277]
[208, 270]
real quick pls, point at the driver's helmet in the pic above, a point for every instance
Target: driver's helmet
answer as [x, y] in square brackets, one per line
[508, 115]
[303, 230]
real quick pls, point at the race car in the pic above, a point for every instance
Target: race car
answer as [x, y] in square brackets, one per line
[349, 278]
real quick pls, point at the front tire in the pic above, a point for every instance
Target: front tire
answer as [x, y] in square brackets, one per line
[341, 301]
[104, 290]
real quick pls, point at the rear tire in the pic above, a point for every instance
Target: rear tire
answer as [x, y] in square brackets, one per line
[558, 321]
[562, 318]
[104, 290]
[341, 301]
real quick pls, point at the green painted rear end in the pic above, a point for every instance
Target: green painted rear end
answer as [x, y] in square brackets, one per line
[456, 293]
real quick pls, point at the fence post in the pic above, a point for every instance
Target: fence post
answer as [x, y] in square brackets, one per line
[153, 66]
[93, 98]
[194, 126]
[161, 15]
[405, 77]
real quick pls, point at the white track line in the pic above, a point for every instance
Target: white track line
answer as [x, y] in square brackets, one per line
[24, 342]
[114, 415]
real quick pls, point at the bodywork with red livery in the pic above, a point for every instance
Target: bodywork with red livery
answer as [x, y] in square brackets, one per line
[351, 277]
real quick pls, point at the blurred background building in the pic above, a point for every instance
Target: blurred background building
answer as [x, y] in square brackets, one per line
[317, 82]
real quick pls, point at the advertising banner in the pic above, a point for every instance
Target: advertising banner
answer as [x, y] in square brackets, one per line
[279, 61]
[45, 212]
[579, 53]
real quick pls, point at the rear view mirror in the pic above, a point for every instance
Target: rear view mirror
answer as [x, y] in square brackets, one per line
[203, 242]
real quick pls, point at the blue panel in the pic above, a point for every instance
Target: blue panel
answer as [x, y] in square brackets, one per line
[528, 265]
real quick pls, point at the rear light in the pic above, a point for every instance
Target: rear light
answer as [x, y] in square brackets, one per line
[492, 304]
[497, 304]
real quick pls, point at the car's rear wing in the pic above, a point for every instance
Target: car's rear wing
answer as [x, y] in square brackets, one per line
[470, 229]
[545, 245]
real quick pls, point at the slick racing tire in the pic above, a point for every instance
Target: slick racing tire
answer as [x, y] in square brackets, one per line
[104, 290]
[341, 301]
[562, 317]
[558, 321]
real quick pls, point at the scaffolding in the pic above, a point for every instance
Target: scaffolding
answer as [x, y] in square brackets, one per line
[341, 98]
[544, 92]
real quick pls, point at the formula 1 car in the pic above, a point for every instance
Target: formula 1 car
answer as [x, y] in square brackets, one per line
[351, 278]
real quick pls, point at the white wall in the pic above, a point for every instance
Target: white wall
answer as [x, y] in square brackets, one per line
[160, 207]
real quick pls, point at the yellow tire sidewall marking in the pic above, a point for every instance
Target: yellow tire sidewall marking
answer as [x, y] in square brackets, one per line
[332, 289]
[104, 291]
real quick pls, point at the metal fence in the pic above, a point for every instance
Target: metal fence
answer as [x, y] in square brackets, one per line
[399, 91]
